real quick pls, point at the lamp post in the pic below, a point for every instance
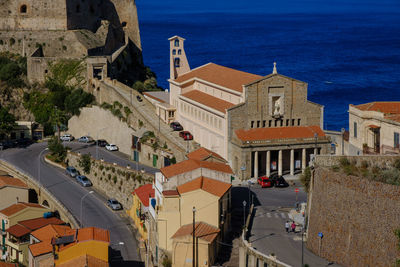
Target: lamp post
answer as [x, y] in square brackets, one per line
[90, 192]
[40, 156]
[244, 213]
[194, 236]
[97, 142]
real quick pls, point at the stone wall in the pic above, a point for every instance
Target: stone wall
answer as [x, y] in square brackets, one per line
[112, 180]
[380, 161]
[356, 216]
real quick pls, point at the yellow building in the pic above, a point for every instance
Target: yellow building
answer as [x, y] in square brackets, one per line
[140, 207]
[15, 213]
[12, 190]
[18, 237]
[87, 245]
[205, 245]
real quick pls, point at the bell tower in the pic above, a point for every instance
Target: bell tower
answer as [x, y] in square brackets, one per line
[178, 61]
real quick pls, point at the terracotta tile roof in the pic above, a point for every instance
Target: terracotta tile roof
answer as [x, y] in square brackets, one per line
[18, 230]
[393, 117]
[170, 193]
[190, 165]
[208, 100]
[11, 210]
[144, 193]
[384, 107]
[202, 230]
[10, 181]
[7, 264]
[279, 133]
[45, 235]
[93, 233]
[202, 154]
[220, 75]
[85, 260]
[34, 224]
[209, 185]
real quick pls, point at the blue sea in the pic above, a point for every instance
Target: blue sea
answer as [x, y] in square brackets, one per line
[346, 56]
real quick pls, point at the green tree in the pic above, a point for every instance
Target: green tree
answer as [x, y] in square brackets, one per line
[85, 162]
[66, 72]
[305, 178]
[57, 151]
[7, 121]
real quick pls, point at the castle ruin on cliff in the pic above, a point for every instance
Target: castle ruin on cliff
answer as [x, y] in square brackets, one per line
[103, 32]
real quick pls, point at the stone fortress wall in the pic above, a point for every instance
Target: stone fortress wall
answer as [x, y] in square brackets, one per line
[357, 216]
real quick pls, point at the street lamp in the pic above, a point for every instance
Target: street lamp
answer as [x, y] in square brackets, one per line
[194, 229]
[97, 142]
[244, 213]
[90, 192]
[40, 156]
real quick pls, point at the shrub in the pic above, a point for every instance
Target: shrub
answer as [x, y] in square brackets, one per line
[85, 162]
[57, 150]
[109, 176]
[113, 169]
[364, 164]
[101, 167]
[128, 176]
[115, 179]
[396, 164]
[305, 178]
[344, 162]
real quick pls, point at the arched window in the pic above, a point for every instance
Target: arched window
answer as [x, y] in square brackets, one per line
[123, 24]
[179, 52]
[23, 9]
[174, 52]
[177, 62]
[176, 42]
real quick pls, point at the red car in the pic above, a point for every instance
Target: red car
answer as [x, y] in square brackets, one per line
[264, 181]
[186, 135]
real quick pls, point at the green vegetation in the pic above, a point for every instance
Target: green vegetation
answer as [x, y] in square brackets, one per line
[305, 178]
[58, 152]
[116, 109]
[85, 163]
[386, 174]
[7, 121]
[64, 96]
[12, 69]
[147, 83]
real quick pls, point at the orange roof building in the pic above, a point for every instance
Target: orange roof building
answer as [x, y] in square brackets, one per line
[374, 128]
[12, 190]
[259, 124]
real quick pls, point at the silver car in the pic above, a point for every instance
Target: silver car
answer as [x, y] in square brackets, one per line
[71, 171]
[114, 204]
[83, 180]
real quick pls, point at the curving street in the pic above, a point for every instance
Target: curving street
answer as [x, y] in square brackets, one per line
[69, 193]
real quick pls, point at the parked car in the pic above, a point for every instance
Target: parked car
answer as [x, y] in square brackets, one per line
[265, 181]
[71, 171]
[5, 145]
[281, 182]
[186, 135]
[101, 142]
[83, 180]
[24, 142]
[139, 98]
[67, 137]
[114, 204]
[85, 139]
[176, 126]
[111, 147]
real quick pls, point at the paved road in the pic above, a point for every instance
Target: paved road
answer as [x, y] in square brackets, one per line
[267, 233]
[108, 156]
[95, 212]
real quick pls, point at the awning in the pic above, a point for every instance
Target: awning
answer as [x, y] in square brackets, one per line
[372, 126]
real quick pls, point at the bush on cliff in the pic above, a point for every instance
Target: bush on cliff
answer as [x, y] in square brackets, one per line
[305, 178]
[12, 69]
[85, 162]
[7, 121]
[58, 152]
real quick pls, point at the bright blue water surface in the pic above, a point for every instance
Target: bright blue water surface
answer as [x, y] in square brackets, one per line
[345, 57]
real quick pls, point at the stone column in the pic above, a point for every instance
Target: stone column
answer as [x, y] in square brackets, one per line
[280, 163]
[252, 260]
[268, 163]
[303, 159]
[242, 256]
[292, 162]
[256, 164]
[315, 151]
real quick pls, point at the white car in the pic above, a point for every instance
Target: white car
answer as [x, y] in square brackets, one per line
[111, 147]
[85, 139]
[66, 137]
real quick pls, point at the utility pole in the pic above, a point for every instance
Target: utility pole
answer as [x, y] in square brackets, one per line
[194, 236]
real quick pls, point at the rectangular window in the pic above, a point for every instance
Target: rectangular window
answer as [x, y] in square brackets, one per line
[281, 123]
[355, 130]
[264, 123]
[258, 124]
[287, 122]
[252, 124]
[396, 140]
[270, 123]
[293, 122]
[276, 123]
[298, 122]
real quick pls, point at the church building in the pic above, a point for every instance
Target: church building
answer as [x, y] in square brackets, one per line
[258, 124]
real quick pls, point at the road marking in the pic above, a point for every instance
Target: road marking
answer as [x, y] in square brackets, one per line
[276, 215]
[269, 215]
[283, 215]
